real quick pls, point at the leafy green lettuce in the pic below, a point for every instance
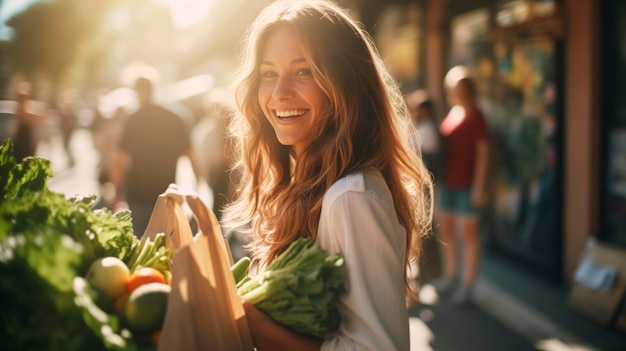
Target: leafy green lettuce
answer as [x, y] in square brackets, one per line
[299, 289]
[46, 240]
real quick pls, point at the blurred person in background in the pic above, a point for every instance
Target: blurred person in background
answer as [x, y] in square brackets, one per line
[68, 122]
[429, 139]
[461, 191]
[430, 142]
[23, 136]
[211, 142]
[151, 142]
[106, 137]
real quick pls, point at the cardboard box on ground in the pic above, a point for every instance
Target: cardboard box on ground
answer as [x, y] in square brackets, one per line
[600, 283]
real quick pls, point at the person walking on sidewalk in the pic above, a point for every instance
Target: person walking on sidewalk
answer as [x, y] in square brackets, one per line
[462, 189]
[426, 123]
[152, 140]
[24, 140]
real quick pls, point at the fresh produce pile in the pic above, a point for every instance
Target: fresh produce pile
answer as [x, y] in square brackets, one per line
[47, 243]
[124, 302]
[299, 289]
[75, 278]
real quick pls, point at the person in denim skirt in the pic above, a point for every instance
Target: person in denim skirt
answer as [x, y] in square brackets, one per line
[461, 191]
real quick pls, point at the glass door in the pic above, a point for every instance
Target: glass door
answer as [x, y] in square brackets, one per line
[613, 185]
[524, 216]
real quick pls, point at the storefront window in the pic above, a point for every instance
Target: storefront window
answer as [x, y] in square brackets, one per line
[519, 12]
[469, 31]
[399, 38]
[525, 210]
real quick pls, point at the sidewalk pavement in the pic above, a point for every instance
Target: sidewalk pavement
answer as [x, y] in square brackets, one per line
[501, 318]
[439, 326]
[537, 308]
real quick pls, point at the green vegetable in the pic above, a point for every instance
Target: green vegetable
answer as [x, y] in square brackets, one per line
[106, 326]
[45, 241]
[299, 289]
[240, 268]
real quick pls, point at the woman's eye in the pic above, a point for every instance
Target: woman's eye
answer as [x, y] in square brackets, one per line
[304, 72]
[268, 74]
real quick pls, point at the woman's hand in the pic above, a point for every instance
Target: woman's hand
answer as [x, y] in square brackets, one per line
[477, 197]
[269, 335]
[255, 316]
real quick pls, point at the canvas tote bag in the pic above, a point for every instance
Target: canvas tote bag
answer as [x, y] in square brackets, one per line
[204, 311]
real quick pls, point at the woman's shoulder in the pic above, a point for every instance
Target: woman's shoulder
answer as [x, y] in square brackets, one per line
[365, 181]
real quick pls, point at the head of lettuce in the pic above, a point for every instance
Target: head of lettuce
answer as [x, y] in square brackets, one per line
[46, 240]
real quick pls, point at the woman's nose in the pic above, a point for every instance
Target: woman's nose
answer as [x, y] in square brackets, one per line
[283, 88]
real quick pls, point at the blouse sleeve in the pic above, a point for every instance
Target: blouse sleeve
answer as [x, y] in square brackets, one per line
[360, 223]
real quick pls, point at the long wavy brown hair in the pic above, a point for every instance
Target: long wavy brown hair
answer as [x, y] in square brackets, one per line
[280, 193]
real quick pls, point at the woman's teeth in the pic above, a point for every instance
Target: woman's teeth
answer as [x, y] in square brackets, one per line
[294, 113]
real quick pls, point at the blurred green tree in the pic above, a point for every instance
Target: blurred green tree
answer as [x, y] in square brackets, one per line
[50, 39]
[5, 67]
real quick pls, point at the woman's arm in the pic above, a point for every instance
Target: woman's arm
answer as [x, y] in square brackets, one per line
[118, 176]
[359, 221]
[480, 173]
[268, 335]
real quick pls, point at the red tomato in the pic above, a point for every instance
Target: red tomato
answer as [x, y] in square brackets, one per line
[144, 275]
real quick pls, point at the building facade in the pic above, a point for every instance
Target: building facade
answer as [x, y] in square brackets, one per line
[551, 80]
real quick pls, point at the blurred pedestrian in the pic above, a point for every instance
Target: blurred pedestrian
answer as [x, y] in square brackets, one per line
[429, 139]
[211, 141]
[462, 190]
[151, 142]
[24, 139]
[106, 137]
[68, 122]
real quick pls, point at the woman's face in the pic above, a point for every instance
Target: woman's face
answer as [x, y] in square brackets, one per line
[291, 100]
[454, 95]
[459, 93]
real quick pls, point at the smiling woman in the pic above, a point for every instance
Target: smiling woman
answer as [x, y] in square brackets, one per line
[323, 138]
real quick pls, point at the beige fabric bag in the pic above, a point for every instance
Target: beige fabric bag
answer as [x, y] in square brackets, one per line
[204, 311]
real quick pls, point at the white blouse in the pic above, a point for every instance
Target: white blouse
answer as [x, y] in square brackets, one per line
[359, 221]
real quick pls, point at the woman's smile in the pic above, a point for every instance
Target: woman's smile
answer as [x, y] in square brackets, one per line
[288, 116]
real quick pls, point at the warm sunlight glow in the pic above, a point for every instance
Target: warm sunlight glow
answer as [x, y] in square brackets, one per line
[555, 344]
[186, 13]
[421, 335]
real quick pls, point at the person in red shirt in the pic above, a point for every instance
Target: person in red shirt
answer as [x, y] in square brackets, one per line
[462, 188]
